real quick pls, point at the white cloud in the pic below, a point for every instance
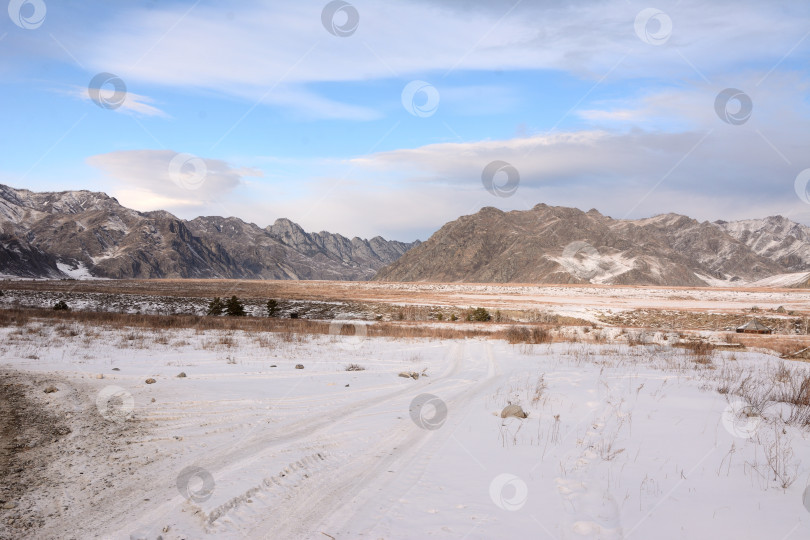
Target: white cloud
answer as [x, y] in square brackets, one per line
[273, 50]
[164, 179]
[707, 169]
[779, 101]
[131, 102]
[710, 170]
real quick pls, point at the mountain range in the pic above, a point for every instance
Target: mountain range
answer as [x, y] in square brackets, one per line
[549, 244]
[89, 234]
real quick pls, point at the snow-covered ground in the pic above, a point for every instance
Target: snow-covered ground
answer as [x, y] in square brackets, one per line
[620, 442]
[75, 271]
[371, 300]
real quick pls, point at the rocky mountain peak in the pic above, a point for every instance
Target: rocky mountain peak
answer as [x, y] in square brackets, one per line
[550, 244]
[47, 234]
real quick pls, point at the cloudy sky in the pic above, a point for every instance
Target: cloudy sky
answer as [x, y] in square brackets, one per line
[392, 118]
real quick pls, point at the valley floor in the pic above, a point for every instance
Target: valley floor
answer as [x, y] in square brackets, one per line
[587, 301]
[620, 441]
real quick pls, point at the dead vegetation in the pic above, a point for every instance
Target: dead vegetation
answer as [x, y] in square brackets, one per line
[696, 320]
[355, 367]
[75, 322]
[780, 384]
[522, 334]
[700, 351]
[20, 317]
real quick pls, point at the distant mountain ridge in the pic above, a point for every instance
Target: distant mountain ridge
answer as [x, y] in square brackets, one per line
[550, 244]
[89, 234]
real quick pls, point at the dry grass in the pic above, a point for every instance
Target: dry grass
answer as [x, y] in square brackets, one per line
[539, 389]
[355, 367]
[779, 344]
[701, 352]
[522, 334]
[289, 328]
[783, 383]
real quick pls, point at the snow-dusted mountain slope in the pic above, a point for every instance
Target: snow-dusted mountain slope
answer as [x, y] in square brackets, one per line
[86, 234]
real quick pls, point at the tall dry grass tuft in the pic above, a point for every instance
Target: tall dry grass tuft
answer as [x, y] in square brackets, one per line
[701, 352]
[522, 334]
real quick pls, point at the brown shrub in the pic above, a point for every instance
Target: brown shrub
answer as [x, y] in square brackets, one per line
[700, 351]
[521, 334]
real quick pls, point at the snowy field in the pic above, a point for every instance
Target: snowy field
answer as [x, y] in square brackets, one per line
[619, 442]
[349, 299]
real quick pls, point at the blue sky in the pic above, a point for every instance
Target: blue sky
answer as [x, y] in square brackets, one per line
[255, 109]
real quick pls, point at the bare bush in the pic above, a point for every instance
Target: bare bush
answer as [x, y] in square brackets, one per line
[355, 367]
[779, 383]
[779, 456]
[701, 352]
[522, 334]
[539, 388]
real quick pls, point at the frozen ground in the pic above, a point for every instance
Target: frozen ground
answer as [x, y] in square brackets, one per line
[620, 442]
[584, 301]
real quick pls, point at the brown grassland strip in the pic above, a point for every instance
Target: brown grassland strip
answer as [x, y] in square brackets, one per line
[22, 316]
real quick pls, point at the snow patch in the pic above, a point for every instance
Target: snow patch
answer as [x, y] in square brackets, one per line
[75, 271]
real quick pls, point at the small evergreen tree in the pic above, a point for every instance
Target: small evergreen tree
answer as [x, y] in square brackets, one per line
[216, 306]
[272, 308]
[479, 315]
[235, 308]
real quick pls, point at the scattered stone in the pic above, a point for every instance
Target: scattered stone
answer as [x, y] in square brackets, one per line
[409, 375]
[299, 366]
[153, 400]
[99, 376]
[513, 410]
[9, 505]
[150, 380]
[182, 374]
[274, 365]
[347, 386]
[116, 369]
[51, 389]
